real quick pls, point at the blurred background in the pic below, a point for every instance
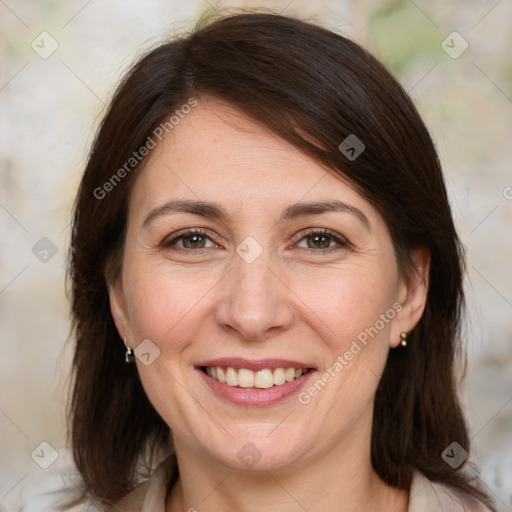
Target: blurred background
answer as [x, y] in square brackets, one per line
[60, 62]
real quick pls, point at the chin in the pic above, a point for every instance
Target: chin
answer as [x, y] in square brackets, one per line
[266, 454]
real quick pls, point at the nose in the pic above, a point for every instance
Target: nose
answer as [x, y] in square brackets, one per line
[255, 300]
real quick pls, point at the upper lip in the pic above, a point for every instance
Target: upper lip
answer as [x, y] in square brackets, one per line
[254, 364]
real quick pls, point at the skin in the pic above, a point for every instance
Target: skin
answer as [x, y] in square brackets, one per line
[302, 298]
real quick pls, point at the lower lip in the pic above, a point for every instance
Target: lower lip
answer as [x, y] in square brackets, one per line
[256, 396]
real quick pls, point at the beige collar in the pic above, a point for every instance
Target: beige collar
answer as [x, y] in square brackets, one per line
[422, 495]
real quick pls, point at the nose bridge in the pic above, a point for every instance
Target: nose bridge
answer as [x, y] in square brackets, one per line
[254, 299]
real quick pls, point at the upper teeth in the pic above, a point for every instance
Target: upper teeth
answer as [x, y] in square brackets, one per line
[245, 378]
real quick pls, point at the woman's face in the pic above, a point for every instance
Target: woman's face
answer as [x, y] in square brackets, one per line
[259, 283]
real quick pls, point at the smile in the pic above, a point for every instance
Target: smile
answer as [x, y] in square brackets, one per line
[264, 383]
[262, 379]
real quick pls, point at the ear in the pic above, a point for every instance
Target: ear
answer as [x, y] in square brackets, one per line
[118, 306]
[412, 295]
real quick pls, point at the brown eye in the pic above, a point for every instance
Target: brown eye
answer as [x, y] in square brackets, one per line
[322, 239]
[191, 239]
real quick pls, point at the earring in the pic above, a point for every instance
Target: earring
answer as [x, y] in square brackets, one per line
[129, 356]
[403, 337]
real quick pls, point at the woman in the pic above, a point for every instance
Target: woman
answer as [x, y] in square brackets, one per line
[266, 285]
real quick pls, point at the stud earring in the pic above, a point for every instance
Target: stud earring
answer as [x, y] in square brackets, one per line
[129, 356]
[403, 337]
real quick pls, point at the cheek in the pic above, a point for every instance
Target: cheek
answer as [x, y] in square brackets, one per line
[162, 301]
[360, 308]
[356, 302]
[164, 307]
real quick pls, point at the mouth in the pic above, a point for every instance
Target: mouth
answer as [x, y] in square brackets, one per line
[246, 378]
[261, 382]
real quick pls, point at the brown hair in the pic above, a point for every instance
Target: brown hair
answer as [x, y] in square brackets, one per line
[313, 88]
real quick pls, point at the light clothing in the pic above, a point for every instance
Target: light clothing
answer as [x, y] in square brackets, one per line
[46, 490]
[425, 496]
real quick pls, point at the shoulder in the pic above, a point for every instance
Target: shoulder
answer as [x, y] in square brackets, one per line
[150, 495]
[428, 496]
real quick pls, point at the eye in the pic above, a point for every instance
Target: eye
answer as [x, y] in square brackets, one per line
[318, 240]
[190, 239]
[322, 239]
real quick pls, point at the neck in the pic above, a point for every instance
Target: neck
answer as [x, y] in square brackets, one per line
[341, 478]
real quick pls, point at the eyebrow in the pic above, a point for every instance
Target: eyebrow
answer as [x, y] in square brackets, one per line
[215, 211]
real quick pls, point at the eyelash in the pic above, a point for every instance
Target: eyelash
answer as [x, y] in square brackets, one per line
[342, 243]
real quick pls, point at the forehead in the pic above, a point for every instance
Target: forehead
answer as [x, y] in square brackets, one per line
[217, 153]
